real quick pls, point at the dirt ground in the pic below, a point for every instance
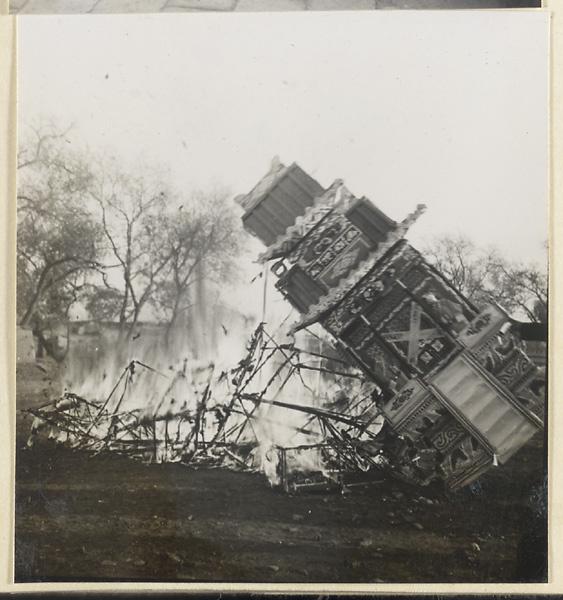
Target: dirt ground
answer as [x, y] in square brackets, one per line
[108, 518]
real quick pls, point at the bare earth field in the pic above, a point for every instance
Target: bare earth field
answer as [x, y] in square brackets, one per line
[108, 518]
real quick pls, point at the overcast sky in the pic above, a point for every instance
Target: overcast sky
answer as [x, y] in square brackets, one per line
[448, 109]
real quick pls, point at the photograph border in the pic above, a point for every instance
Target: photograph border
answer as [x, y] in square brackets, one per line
[7, 356]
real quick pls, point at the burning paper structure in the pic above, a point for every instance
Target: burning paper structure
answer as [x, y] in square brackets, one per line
[406, 375]
[242, 417]
[457, 388]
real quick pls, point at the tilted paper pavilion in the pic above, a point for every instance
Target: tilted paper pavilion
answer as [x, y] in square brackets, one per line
[459, 392]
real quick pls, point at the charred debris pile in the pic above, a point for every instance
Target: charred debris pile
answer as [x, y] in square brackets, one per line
[416, 381]
[233, 418]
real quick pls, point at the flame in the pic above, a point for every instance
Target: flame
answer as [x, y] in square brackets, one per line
[186, 400]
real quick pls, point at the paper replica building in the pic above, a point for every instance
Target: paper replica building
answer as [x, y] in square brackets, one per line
[459, 392]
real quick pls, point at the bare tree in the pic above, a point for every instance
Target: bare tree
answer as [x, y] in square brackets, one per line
[103, 302]
[131, 215]
[523, 288]
[201, 239]
[122, 244]
[483, 274]
[58, 238]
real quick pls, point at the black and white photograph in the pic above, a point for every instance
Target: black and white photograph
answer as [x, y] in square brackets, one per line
[282, 303]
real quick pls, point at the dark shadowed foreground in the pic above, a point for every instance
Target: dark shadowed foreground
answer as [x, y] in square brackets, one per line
[107, 518]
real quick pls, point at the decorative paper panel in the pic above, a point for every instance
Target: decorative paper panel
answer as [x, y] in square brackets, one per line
[504, 358]
[482, 328]
[331, 249]
[343, 263]
[318, 240]
[492, 415]
[417, 338]
[407, 399]
[465, 463]
[300, 289]
[377, 294]
[450, 432]
[420, 420]
[386, 368]
[376, 284]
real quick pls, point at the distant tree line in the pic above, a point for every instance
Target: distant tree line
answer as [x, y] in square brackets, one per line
[483, 275]
[118, 242]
